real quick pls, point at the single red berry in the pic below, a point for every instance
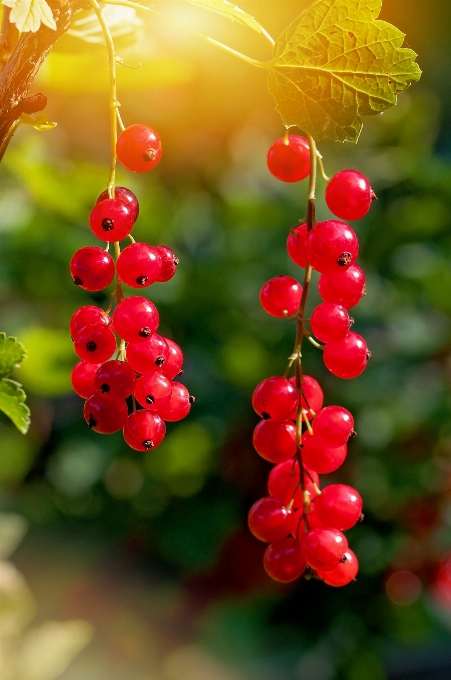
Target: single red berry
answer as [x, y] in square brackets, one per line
[169, 263]
[344, 573]
[135, 319]
[87, 315]
[281, 296]
[283, 560]
[173, 365]
[324, 548]
[312, 397]
[82, 378]
[269, 520]
[275, 440]
[92, 268]
[148, 356]
[139, 265]
[283, 480]
[95, 343]
[103, 415]
[138, 148]
[289, 159]
[347, 358]
[179, 404]
[297, 244]
[318, 456]
[332, 246]
[126, 196]
[349, 195]
[330, 322]
[343, 288]
[111, 220]
[153, 391]
[334, 424]
[275, 398]
[144, 430]
[339, 506]
[115, 380]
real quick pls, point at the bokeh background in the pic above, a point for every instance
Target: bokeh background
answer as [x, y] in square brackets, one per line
[149, 555]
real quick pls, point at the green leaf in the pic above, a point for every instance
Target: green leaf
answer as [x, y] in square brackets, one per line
[12, 353]
[12, 403]
[40, 122]
[231, 11]
[28, 15]
[335, 63]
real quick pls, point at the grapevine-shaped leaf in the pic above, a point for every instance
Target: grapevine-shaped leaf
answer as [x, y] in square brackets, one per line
[335, 63]
[231, 11]
[28, 15]
[12, 402]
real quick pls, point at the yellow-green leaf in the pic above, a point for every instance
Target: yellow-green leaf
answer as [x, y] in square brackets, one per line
[12, 353]
[231, 11]
[12, 403]
[28, 15]
[40, 122]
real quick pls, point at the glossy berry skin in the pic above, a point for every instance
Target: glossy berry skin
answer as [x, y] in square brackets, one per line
[275, 398]
[135, 319]
[139, 265]
[339, 506]
[173, 365]
[179, 404]
[103, 415]
[87, 315]
[144, 430]
[138, 148]
[281, 296]
[126, 196]
[344, 573]
[274, 440]
[289, 162]
[153, 391]
[343, 288]
[269, 520]
[349, 195]
[95, 343]
[92, 268]
[82, 378]
[283, 560]
[347, 358]
[332, 246]
[169, 263]
[318, 456]
[148, 356]
[334, 424]
[312, 397]
[282, 482]
[115, 380]
[111, 220]
[324, 548]
[329, 322]
[297, 245]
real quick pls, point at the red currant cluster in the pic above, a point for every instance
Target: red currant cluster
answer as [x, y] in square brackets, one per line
[146, 363]
[303, 524]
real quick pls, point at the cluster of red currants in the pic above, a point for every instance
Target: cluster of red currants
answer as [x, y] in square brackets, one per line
[146, 363]
[303, 524]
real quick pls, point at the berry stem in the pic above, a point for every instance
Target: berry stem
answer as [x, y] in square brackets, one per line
[321, 168]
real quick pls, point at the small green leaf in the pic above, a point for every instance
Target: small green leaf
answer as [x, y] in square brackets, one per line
[28, 15]
[335, 63]
[12, 353]
[40, 122]
[12, 403]
[231, 11]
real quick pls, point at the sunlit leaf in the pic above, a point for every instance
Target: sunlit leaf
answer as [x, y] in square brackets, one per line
[231, 11]
[28, 15]
[123, 22]
[40, 122]
[12, 403]
[12, 353]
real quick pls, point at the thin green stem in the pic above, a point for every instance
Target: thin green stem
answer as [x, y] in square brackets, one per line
[321, 167]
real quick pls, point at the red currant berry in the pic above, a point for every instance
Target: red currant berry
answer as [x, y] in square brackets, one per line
[111, 220]
[173, 365]
[334, 424]
[275, 398]
[139, 265]
[82, 378]
[339, 506]
[283, 560]
[297, 245]
[153, 391]
[95, 343]
[92, 268]
[87, 315]
[135, 319]
[139, 148]
[144, 430]
[283, 480]
[318, 456]
[275, 440]
[269, 520]
[344, 573]
[115, 380]
[312, 397]
[347, 358]
[343, 288]
[179, 404]
[126, 196]
[169, 263]
[148, 356]
[349, 195]
[330, 322]
[324, 548]
[281, 296]
[103, 415]
[289, 159]
[332, 246]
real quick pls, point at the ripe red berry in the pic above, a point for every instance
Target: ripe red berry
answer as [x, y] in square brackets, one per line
[169, 263]
[173, 365]
[139, 148]
[103, 415]
[269, 520]
[349, 195]
[139, 265]
[297, 244]
[92, 268]
[135, 319]
[144, 430]
[330, 322]
[153, 391]
[281, 296]
[332, 246]
[343, 288]
[275, 440]
[179, 404]
[82, 378]
[95, 343]
[148, 356]
[87, 315]
[111, 220]
[324, 548]
[312, 397]
[283, 480]
[126, 196]
[115, 380]
[339, 506]
[275, 398]
[334, 424]
[318, 456]
[344, 573]
[347, 358]
[289, 160]
[283, 560]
